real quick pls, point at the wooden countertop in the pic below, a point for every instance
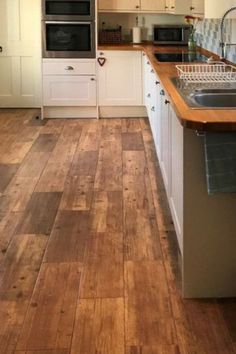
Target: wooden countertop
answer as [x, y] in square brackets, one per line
[198, 119]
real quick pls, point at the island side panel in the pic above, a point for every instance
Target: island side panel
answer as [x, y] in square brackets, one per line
[209, 256]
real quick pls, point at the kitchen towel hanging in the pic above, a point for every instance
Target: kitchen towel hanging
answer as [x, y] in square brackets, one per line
[220, 156]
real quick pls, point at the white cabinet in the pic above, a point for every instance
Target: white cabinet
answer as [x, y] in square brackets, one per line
[69, 82]
[120, 78]
[176, 167]
[197, 7]
[178, 7]
[131, 5]
[153, 5]
[69, 90]
[118, 5]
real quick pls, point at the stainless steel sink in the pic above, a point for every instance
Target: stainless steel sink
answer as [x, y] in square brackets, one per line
[204, 96]
[214, 99]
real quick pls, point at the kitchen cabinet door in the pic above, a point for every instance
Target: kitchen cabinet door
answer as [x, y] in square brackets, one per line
[153, 5]
[176, 174]
[197, 7]
[178, 7]
[165, 140]
[118, 5]
[69, 90]
[120, 78]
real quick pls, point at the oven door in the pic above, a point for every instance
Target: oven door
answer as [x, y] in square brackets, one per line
[68, 10]
[68, 39]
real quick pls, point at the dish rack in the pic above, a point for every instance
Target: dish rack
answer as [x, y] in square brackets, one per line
[199, 73]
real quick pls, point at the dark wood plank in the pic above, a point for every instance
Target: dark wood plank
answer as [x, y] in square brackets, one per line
[50, 351]
[20, 267]
[84, 163]
[131, 125]
[99, 327]
[7, 172]
[159, 349]
[132, 141]
[45, 143]
[68, 239]
[50, 318]
[40, 214]
[103, 274]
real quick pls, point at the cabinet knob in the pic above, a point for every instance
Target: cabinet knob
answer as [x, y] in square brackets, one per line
[148, 62]
[1, 49]
[167, 101]
[92, 79]
[157, 83]
[152, 71]
[153, 109]
[172, 7]
[137, 6]
[148, 95]
[162, 93]
[69, 68]
[166, 7]
[101, 53]
[192, 8]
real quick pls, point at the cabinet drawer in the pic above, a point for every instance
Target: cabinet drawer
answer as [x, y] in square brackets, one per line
[69, 91]
[68, 67]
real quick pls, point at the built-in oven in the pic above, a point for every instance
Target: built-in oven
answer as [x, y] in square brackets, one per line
[171, 34]
[68, 10]
[68, 39]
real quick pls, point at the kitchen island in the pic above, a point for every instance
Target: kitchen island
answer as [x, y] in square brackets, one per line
[205, 224]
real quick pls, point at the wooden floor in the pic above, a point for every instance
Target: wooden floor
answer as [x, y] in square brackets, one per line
[88, 261]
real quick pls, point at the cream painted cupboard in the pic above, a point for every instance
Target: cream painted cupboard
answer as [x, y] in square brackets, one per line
[184, 7]
[131, 5]
[197, 7]
[20, 55]
[217, 11]
[120, 78]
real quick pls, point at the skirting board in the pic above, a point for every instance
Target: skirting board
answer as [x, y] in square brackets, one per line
[122, 112]
[70, 112]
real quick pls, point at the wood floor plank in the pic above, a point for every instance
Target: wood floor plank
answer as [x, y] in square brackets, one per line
[91, 136]
[103, 273]
[84, 163]
[68, 239]
[33, 164]
[99, 327]
[109, 170]
[107, 212]
[50, 351]
[7, 172]
[20, 267]
[50, 318]
[8, 224]
[160, 349]
[40, 214]
[131, 125]
[78, 193]
[45, 143]
[18, 193]
[148, 310]
[53, 126]
[132, 141]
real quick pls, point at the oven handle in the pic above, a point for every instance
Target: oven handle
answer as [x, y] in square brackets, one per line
[67, 22]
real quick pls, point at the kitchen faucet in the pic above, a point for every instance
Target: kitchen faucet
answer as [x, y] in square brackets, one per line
[222, 43]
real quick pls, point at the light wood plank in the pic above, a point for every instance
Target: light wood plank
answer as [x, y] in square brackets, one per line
[99, 327]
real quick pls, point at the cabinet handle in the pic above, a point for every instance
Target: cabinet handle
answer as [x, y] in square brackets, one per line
[152, 71]
[162, 93]
[92, 79]
[69, 68]
[148, 62]
[157, 83]
[166, 7]
[172, 7]
[167, 101]
[1, 49]
[153, 109]
[148, 95]
[101, 53]
[192, 8]
[137, 6]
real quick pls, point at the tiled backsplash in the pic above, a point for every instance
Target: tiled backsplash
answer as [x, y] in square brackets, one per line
[208, 37]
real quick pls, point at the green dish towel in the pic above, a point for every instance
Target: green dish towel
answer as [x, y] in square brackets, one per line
[220, 156]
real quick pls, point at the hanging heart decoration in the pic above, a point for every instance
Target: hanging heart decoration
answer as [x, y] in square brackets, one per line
[101, 61]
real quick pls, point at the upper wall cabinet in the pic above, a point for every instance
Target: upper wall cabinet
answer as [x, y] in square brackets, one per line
[197, 7]
[213, 11]
[131, 5]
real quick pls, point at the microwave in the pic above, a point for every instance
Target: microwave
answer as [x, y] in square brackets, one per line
[171, 34]
[68, 10]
